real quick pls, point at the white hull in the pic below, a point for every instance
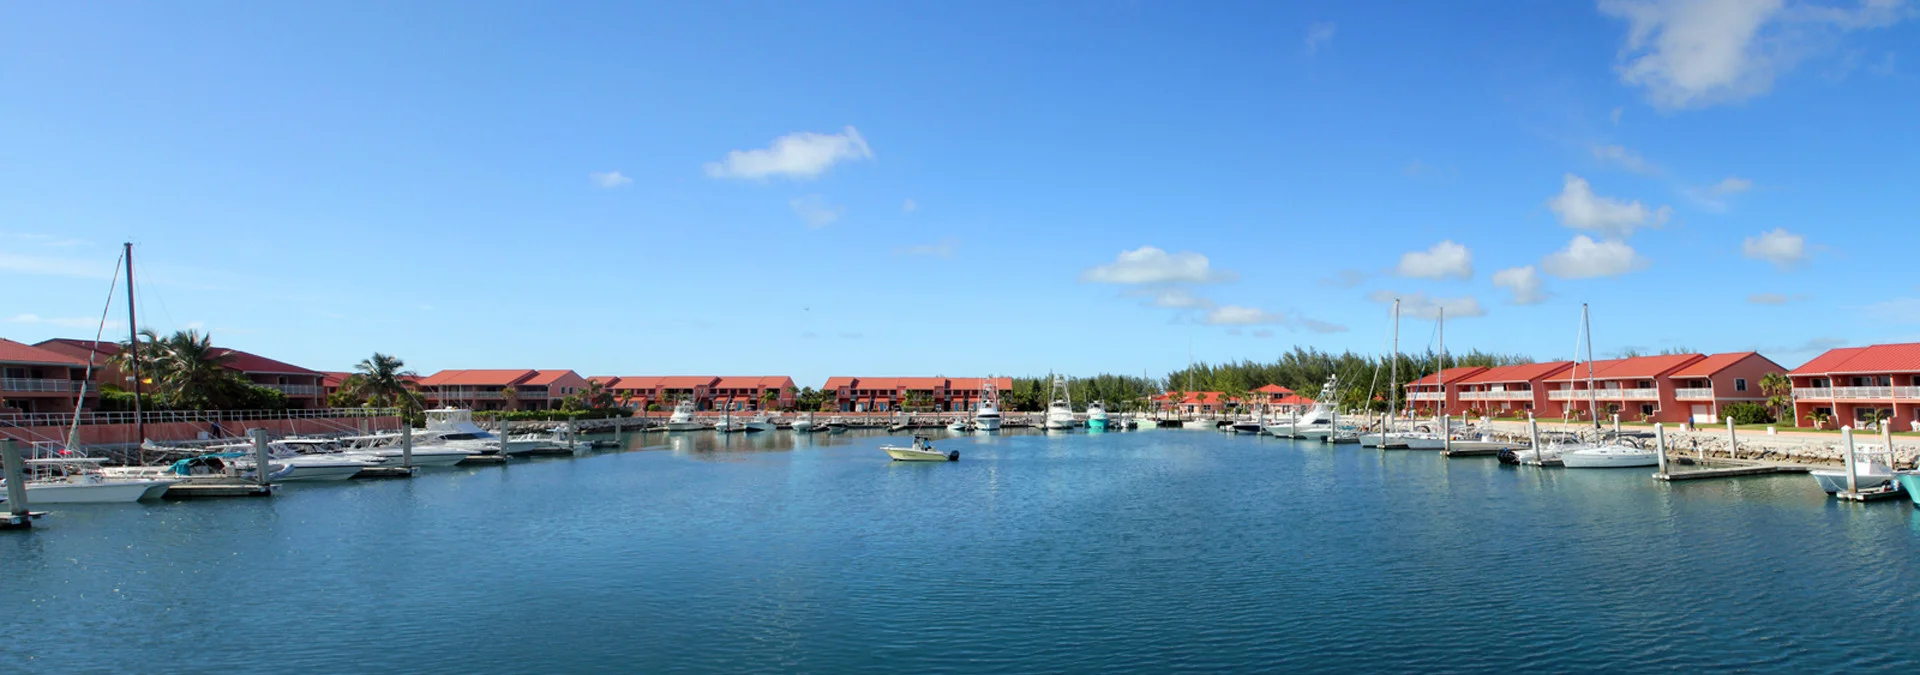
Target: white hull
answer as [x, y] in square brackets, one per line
[760, 426]
[802, 426]
[320, 472]
[985, 423]
[687, 426]
[912, 455]
[1313, 433]
[105, 492]
[1608, 457]
[421, 457]
[1831, 480]
[1371, 440]
[1422, 442]
[1059, 425]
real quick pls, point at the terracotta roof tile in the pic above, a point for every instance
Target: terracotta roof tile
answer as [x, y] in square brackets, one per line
[248, 362]
[16, 352]
[1522, 372]
[1636, 368]
[1453, 376]
[1274, 389]
[1893, 358]
[1715, 363]
[476, 378]
[546, 377]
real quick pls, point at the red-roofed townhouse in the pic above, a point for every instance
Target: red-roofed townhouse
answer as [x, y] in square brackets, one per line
[1706, 386]
[1437, 392]
[1639, 389]
[753, 392]
[1192, 402]
[35, 380]
[332, 382]
[1504, 391]
[494, 389]
[645, 392]
[881, 394]
[302, 386]
[1852, 385]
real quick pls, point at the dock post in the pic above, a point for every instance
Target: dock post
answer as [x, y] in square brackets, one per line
[1886, 436]
[16, 475]
[1733, 441]
[1616, 425]
[1446, 434]
[1660, 444]
[406, 446]
[1293, 428]
[1533, 436]
[503, 434]
[261, 468]
[1846, 443]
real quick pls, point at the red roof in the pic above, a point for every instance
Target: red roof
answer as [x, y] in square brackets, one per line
[913, 383]
[1522, 372]
[652, 382]
[15, 352]
[1895, 358]
[1298, 400]
[1639, 367]
[102, 347]
[248, 362]
[1713, 364]
[334, 378]
[476, 378]
[1273, 389]
[1452, 375]
[780, 382]
[546, 377]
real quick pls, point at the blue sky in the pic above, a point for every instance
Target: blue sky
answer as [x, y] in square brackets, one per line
[878, 188]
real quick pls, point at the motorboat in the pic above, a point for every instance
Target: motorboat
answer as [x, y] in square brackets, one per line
[1871, 472]
[380, 450]
[959, 426]
[986, 415]
[922, 450]
[1318, 420]
[802, 424]
[1060, 412]
[454, 427]
[1614, 455]
[1250, 426]
[1097, 416]
[727, 424]
[761, 422]
[682, 418]
[289, 465]
[837, 425]
[79, 480]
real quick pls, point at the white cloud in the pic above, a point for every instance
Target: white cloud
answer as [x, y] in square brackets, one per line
[56, 267]
[1319, 35]
[1617, 112]
[1347, 278]
[1149, 265]
[1698, 53]
[1731, 185]
[1624, 158]
[1172, 297]
[1579, 208]
[1782, 248]
[815, 210]
[941, 249]
[909, 206]
[1775, 298]
[1524, 283]
[1314, 325]
[800, 156]
[609, 179]
[1445, 260]
[1584, 258]
[1234, 315]
[1714, 197]
[1425, 307]
[63, 322]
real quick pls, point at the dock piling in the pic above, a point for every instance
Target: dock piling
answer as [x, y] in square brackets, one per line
[1660, 444]
[261, 468]
[406, 445]
[1846, 442]
[1446, 433]
[1616, 424]
[16, 475]
[1733, 441]
[1533, 436]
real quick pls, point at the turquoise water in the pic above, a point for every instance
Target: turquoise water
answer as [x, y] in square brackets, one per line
[1152, 551]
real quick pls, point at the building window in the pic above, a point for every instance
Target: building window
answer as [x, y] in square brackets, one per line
[1646, 408]
[1740, 384]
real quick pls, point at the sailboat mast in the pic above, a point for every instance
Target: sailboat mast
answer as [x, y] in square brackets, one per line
[133, 353]
[1393, 377]
[1441, 377]
[1593, 397]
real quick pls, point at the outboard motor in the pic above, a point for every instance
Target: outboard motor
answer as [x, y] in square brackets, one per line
[953, 456]
[1507, 456]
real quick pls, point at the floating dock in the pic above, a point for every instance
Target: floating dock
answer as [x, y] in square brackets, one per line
[19, 521]
[1869, 496]
[1482, 449]
[386, 472]
[1731, 472]
[472, 460]
[218, 488]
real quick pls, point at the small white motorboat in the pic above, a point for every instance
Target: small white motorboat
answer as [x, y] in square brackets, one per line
[959, 426]
[78, 480]
[761, 422]
[1871, 472]
[922, 450]
[802, 425]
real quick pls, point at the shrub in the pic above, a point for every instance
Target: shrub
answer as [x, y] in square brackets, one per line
[1747, 413]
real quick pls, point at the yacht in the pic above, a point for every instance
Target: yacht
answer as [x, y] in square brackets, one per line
[381, 450]
[79, 480]
[1618, 455]
[682, 418]
[761, 422]
[454, 427]
[1096, 416]
[1060, 412]
[289, 465]
[986, 415]
[802, 425]
[1316, 422]
[922, 450]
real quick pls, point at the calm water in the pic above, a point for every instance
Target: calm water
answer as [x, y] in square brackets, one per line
[1153, 551]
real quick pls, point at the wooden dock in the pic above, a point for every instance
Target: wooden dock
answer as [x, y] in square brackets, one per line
[1481, 450]
[1732, 472]
[19, 521]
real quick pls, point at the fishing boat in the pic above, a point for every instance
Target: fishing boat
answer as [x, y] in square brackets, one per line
[454, 427]
[1097, 416]
[1872, 471]
[761, 422]
[1060, 411]
[922, 450]
[1317, 421]
[802, 425]
[682, 418]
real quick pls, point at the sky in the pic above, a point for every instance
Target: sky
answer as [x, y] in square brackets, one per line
[867, 188]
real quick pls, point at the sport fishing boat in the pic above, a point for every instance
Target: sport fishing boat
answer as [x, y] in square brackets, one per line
[1316, 422]
[1097, 416]
[1060, 412]
[986, 415]
[682, 418]
[454, 427]
[922, 450]
[1872, 471]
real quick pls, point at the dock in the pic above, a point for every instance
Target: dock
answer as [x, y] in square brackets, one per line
[19, 521]
[1481, 450]
[386, 472]
[1871, 495]
[1732, 472]
[198, 489]
[473, 460]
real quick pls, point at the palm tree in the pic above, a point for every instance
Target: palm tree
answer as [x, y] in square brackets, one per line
[1819, 419]
[184, 368]
[384, 382]
[1779, 392]
[768, 398]
[509, 397]
[596, 396]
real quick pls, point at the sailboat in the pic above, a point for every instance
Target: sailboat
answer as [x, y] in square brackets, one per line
[1379, 439]
[1427, 438]
[1060, 411]
[1613, 454]
[986, 415]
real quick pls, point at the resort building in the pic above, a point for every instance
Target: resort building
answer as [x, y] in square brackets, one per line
[1718, 380]
[1192, 403]
[1857, 385]
[35, 380]
[708, 392]
[1504, 391]
[302, 386]
[500, 389]
[1436, 392]
[1664, 388]
[886, 394]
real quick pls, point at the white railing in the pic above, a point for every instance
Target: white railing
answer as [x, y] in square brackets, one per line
[36, 384]
[471, 395]
[1812, 392]
[1602, 394]
[1424, 396]
[1694, 394]
[1512, 395]
[166, 416]
[295, 389]
[1880, 393]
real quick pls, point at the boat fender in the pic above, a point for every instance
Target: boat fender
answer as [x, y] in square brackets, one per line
[953, 456]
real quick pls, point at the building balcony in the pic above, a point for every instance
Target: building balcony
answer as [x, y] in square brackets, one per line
[1515, 395]
[34, 385]
[1694, 394]
[1855, 393]
[1604, 394]
[294, 389]
[1425, 395]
